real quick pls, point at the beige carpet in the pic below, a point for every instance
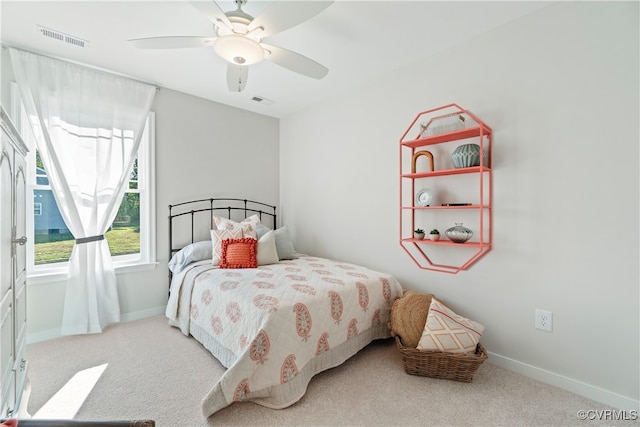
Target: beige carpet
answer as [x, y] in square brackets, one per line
[156, 372]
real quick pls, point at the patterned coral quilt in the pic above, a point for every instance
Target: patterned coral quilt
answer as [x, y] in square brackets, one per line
[274, 327]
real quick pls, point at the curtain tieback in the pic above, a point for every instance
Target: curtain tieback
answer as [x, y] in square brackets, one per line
[89, 239]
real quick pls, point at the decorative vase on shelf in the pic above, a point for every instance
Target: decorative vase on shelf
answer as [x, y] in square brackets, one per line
[434, 237]
[466, 156]
[459, 233]
[417, 235]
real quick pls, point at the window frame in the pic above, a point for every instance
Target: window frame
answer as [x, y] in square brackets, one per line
[146, 258]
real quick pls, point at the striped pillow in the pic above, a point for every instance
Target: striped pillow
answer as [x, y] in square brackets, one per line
[239, 253]
[219, 236]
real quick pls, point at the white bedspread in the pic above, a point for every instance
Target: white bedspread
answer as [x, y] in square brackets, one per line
[276, 326]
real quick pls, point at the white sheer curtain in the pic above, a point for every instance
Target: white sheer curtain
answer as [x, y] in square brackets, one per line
[88, 126]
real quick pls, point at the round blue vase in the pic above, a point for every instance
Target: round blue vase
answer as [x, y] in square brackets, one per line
[466, 156]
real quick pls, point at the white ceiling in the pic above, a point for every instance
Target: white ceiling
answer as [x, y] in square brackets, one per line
[356, 40]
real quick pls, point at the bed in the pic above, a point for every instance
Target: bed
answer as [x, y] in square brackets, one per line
[277, 323]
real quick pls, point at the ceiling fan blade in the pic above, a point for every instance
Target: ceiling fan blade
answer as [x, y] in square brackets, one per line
[295, 62]
[237, 77]
[283, 15]
[212, 11]
[172, 42]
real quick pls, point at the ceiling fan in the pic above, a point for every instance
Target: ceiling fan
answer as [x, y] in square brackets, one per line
[239, 38]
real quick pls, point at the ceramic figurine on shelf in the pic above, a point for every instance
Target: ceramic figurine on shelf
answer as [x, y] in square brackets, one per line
[458, 233]
[467, 155]
[419, 154]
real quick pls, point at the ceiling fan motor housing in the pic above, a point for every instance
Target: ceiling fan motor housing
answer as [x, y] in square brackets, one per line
[237, 45]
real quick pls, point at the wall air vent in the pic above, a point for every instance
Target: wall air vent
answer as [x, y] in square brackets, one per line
[262, 100]
[57, 35]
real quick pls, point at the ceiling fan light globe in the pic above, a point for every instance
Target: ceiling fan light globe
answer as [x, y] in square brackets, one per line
[238, 49]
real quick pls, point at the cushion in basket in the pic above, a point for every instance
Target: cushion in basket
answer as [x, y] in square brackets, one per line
[447, 331]
[408, 316]
[239, 253]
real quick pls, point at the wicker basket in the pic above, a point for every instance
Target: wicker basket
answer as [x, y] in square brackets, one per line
[439, 364]
[408, 316]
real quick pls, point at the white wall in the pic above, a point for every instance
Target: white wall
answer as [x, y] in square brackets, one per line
[560, 90]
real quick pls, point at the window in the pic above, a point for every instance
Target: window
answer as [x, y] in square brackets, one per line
[131, 237]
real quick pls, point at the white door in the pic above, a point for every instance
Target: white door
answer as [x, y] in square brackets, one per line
[7, 349]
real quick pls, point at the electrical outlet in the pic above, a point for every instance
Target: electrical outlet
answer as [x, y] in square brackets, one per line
[544, 320]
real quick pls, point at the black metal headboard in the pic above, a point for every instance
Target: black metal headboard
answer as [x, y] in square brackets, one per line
[193, 210]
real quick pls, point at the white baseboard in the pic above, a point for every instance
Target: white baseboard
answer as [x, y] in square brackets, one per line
[137, 315]
[50, 334]
[583, 389]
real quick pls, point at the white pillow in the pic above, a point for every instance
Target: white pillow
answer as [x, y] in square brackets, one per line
[217, 236]
[248, 224]
[267, 252]
[261, 230]
[191, 253]
[284, 245]
[444, 330]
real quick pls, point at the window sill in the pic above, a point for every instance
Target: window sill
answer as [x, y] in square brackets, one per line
[60, 274]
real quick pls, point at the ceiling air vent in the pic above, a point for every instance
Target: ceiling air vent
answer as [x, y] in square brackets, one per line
[262, 100]
[57, 35]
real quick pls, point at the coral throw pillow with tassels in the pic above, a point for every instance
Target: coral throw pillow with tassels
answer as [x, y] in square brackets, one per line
[239, 253]
[444, 330]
